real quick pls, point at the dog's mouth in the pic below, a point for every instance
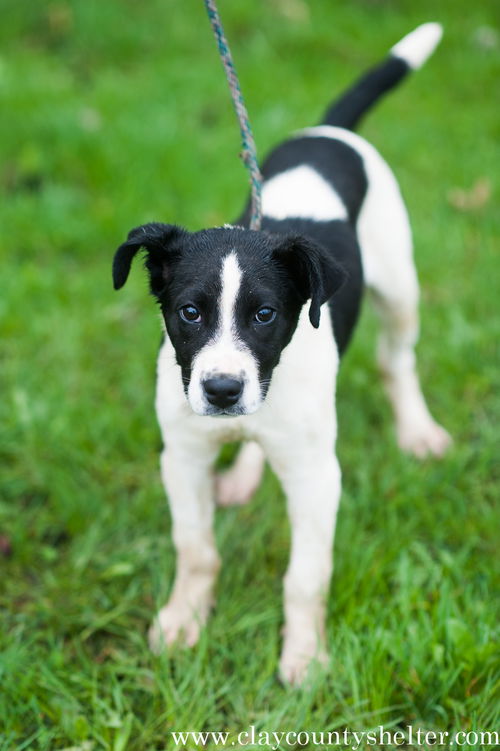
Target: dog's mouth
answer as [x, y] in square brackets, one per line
[205, 409]
[237, 410]
[234, 411]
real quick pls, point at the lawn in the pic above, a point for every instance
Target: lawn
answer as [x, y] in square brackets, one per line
[117, 113]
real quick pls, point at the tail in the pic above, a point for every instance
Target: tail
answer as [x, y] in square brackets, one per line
[410, 53]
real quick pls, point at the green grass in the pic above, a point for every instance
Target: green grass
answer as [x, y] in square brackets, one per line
[116, 113]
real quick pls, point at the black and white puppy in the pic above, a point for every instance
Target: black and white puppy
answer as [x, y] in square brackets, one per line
[255, 324]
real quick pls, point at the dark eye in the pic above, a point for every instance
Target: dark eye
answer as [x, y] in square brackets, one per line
[265, 315]
[190, 314]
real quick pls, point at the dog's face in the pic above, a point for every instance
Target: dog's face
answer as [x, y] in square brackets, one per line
[230, 299]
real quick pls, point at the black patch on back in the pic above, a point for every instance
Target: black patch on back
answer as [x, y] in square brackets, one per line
[339, 164]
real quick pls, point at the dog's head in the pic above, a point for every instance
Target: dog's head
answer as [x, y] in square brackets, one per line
[231, 299]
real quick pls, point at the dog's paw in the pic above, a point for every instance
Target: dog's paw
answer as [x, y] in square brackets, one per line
[299, 662]
[177, 623]
[426, 439]
[236, 485]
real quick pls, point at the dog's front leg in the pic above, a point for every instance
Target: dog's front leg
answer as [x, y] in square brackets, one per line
[311, 481]
[188, 479]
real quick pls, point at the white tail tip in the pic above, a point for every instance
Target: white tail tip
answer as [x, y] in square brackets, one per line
[419, 44]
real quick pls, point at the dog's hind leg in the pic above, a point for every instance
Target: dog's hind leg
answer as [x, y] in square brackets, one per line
[236, 485]
[417, 431]
[390, 275]
[188, 480]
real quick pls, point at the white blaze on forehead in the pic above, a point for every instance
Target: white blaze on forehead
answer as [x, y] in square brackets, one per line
[230, 283]
[225, 353]
[303, 193]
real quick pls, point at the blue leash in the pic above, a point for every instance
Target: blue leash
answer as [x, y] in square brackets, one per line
[249, 153]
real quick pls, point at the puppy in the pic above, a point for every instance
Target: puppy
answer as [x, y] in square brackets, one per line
[255, 325]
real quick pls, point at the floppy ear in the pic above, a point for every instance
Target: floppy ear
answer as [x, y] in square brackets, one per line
[159, 241]
[315, 274]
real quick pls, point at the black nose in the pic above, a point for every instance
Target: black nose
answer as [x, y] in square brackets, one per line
[222, 391]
